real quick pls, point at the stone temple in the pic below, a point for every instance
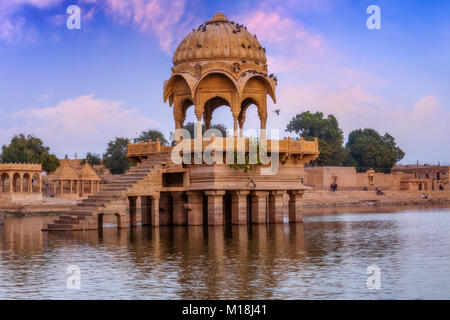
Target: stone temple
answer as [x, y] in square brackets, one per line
[219, 64]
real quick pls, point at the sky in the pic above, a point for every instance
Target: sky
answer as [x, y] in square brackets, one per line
[78, 89]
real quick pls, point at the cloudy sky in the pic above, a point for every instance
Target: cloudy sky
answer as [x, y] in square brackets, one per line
[78, 89]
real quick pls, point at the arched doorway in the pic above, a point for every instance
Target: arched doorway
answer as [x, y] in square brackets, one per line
[249, 120]
[5, 183]
[26, 183]
[215, 106]
[16, 183]
[36, 183]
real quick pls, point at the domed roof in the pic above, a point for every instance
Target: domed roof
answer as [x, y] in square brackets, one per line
[65, 172]
[220, 39]
[87, 173]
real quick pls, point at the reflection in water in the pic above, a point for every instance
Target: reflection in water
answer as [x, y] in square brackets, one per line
[325, 257]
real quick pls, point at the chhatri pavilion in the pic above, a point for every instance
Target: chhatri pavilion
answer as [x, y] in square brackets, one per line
[218, 64]
[20, 183]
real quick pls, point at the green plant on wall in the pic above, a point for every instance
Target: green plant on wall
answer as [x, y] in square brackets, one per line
[246, 166]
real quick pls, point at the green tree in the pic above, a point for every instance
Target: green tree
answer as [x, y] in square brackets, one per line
[191, 127]
[92, 158]
[29, 149]
[370, 150]
[331, 138]
[115, 157]
[151, 135]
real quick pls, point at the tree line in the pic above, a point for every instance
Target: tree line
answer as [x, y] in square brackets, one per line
[365, 148]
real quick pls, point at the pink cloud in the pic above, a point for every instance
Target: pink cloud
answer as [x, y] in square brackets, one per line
[159, 17]
[82, 124]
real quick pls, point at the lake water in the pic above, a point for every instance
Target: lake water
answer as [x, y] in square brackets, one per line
[326, 257]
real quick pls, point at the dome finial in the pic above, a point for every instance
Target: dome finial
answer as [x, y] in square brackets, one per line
[218, 17]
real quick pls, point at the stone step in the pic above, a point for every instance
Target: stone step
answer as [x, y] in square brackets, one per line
[66, 222]
[81, 213]
[59, 227]
[101, 196]
[74, 218]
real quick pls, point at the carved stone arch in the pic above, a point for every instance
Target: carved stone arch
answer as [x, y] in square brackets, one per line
[181, 105]
[245, 103]
[169, 86]
[16, 181]
[203, 98]
[228, 75]
[211, 105]
[5, 177]
[269, 84]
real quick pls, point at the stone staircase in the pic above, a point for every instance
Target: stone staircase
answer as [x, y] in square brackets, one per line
[109, 198]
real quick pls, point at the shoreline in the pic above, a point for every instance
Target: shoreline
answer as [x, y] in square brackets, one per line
[369, 199]
[313, 199]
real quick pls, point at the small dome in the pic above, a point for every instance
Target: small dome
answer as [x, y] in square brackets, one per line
[219, 39]
[87, 173]
[65, 172]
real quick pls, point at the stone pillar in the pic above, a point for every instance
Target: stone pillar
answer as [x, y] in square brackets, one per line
[82, 187]
[98, 186]
[132, 209]
[121, 221]
[21, 184]
[199, 127]
[165, 209]
[71, 186]
[239, 206]
[215, 206]
[30, 185]
[295, 205]
[145, 211]
[54, 187]
[195, 208]
[276, 206]
[62, 186]
[11, 182]
[263, 127]
[154, 211]
[40, 183]
[259, 206]
[92, 189]
[235, 131]
[179, 212]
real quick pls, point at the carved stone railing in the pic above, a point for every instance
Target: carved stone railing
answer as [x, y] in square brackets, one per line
[20, 167]
[286, 146]
[144, 148]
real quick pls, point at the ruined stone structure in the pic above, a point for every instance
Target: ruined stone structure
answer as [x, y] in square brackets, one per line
[407, 178]
[20, 183]
[424, 178]
[72, 183]
[218, 64]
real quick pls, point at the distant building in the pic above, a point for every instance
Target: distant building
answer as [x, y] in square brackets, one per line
[420, 178]
[20, 183]
[423, 177]
[72, 180]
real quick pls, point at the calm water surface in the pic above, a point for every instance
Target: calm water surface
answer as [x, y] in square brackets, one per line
[325, 257]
